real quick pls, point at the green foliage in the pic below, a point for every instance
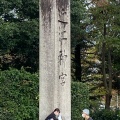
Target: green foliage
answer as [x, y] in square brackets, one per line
[23, 9]
[77, 15]
[27, 45]
[18, 95]
[78, 24]
[80, 99]
[106, 115]
[20, 41]
[19, 34]
[105, 29]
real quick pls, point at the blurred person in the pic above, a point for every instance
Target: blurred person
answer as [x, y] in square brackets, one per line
[86, 114]
[55, 115]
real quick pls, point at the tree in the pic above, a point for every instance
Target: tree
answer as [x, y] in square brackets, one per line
[77, 36]
[104, 18]
[19, 36]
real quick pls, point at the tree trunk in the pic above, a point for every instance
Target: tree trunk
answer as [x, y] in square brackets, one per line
[78, 63]
[108, 100]
[103, 65]
[108, 95]
[110, 70]
[107, 82]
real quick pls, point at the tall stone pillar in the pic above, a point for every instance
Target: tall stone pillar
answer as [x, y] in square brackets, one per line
[55, 65]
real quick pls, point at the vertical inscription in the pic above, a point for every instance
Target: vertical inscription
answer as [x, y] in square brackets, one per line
[62, 57]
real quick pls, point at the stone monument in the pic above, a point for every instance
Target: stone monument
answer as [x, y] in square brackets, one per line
[55, 63]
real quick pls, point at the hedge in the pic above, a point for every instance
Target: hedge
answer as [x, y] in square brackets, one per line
[106, 115]
[80, 99]
[18, 95]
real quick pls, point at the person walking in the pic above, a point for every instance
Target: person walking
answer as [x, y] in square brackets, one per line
[86, 114]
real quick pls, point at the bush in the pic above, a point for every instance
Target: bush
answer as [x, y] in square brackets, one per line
[18, 95]
[106, 115]
[80, 99]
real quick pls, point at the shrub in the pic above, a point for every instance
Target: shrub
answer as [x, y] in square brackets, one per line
[80, 99]
[18, 95]
[106, 115]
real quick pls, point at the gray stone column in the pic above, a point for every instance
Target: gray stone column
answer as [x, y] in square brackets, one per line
[55, 65]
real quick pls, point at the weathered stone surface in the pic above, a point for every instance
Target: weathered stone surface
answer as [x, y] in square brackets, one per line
[55, 77]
